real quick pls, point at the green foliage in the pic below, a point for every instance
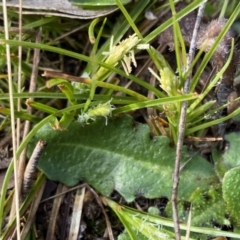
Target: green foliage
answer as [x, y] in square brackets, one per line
[208, 207]
[139, 223]
[231, 156]
[118, 153]
[231, 179]
[154, 211]
[227, 168]
[231, 192]
[120, 156]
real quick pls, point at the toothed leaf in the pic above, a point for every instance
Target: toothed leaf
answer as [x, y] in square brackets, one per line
[122, 156]
[231, 156]
[231, 191]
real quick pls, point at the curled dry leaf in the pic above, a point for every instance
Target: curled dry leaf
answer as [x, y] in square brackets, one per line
[63, 8]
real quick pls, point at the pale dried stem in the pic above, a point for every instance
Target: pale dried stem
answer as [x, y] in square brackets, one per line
[55, 211]
[32, 88]
[16, 199]
[32, 211]
[19, 70]
[76, 214]
[109, 228]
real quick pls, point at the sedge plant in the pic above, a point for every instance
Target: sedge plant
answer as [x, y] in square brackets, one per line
[85, 104]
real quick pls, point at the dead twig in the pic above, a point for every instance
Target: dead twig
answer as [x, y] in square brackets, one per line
[55, 211]
[109, 228]
[182, 122]
[32, 211]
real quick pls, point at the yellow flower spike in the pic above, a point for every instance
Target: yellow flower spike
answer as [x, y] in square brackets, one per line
[101, 110]
[169, 82]
[123, 52]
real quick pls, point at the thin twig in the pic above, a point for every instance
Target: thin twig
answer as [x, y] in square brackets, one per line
[99, 201]
[52, 223]
[64, 192]
[182, 122]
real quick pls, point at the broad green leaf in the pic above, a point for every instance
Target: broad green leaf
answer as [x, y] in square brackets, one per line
[231, 192]
[231, 156]
[122, 156]
[208, 207]
[227, 165]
